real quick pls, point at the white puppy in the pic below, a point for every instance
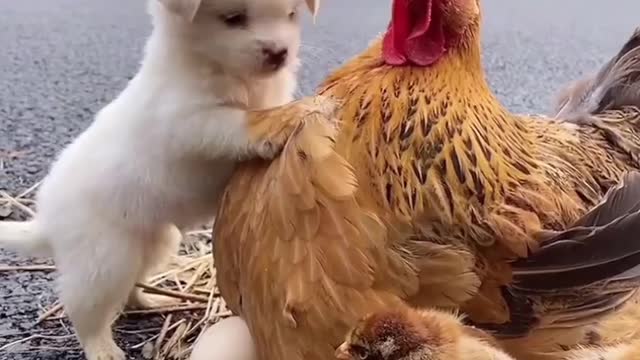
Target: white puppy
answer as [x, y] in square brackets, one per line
[155, 160]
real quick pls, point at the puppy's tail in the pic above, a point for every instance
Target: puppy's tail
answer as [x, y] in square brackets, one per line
[24, 237]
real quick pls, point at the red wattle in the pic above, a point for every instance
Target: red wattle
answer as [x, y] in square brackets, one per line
[393, 42]
[416, 33]
[426, 44]
[391, 53]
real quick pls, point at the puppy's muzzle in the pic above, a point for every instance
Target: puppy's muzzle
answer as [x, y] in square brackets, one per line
[274, 59]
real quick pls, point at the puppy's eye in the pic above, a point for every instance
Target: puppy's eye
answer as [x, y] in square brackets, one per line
[236, 19]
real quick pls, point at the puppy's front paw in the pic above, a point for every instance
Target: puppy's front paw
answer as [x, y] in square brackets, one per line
[322, 109]
[271, 129]
[107, 350]
[323, 105]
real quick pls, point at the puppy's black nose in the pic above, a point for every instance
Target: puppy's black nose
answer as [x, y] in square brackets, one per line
[275, 57]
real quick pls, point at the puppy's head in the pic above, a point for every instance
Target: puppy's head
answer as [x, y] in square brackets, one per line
[243, 37]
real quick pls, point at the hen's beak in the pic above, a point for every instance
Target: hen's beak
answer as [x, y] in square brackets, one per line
[342, 352]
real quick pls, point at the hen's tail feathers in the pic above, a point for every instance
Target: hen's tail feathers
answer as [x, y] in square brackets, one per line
[614, 87]
[580, 274]
[24, 237]
[618, 84]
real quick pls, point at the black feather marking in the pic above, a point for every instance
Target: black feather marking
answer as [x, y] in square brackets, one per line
[473, 159]
[457, 167]
[442, 167]
[443, 110]
[406, 131]
[426, 127]
[479, 188]
[389, 193]
[412, 199]
[447, 191]
[413, 106]
[507, 152]
[418, 171]
[518, 165]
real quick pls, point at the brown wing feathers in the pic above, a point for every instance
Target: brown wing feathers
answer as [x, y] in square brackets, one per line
[582, 273]
[600, 245]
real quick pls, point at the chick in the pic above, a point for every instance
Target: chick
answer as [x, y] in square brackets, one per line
[409, 334]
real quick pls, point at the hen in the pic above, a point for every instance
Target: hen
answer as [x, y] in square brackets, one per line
[433, 194]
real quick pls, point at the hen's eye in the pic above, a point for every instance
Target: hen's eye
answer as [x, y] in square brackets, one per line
[236, 19]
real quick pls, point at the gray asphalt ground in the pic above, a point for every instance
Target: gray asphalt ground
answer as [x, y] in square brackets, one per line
[62, 60]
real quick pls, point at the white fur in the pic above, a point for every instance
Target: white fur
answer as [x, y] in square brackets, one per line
[155, 160]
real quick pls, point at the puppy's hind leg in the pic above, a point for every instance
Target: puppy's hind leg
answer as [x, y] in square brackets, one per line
[159, 249]
[96, 277]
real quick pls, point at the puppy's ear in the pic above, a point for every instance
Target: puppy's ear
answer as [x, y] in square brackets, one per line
[187, 9]
[313, 6]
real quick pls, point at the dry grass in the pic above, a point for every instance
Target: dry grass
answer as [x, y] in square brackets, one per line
[189, 279]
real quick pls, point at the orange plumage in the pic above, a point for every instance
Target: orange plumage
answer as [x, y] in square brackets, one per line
[431, 193]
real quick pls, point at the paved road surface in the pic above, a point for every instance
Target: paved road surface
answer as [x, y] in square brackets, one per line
[60, 62]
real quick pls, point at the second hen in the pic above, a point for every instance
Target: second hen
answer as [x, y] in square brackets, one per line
[435, 195]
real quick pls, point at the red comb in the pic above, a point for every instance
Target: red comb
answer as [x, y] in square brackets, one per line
[416, 34]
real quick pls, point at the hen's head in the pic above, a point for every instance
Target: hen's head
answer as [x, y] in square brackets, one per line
[422, 31]
[400, 335]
